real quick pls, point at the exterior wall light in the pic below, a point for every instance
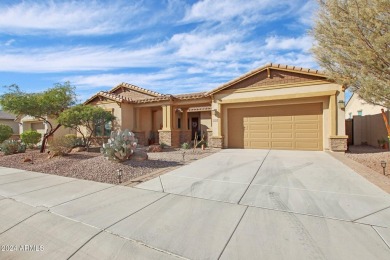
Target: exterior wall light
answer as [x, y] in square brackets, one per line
[119, 174]
[383, 164]
[341, 104]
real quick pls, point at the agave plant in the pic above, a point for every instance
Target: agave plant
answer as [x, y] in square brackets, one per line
[120, 146]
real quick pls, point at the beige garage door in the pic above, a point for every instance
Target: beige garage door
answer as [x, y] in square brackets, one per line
[291, 127]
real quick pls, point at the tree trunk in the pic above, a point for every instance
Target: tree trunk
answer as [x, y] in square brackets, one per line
[386, 122]
[46, 136]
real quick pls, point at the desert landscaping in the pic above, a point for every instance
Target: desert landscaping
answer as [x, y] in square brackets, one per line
[93, 166]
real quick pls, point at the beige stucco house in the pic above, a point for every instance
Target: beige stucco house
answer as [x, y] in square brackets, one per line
[9, 119]
[32, 123]
[273, 107]
[365, 124]
[358, 107]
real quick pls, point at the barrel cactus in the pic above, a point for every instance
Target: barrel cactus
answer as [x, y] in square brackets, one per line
[120, 146]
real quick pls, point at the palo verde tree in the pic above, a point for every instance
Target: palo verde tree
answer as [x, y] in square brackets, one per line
[353, 46]
[84, 118]
[44, 105]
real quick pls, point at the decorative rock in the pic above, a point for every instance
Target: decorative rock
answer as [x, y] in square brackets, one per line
[27, 159]
[53, 154]
[139, 156]
[77, 149]
[155, 148]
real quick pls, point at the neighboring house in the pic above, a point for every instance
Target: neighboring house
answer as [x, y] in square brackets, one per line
[32, 123]
[272, 107]
[9, 119]
[358, 107]
[364, 122]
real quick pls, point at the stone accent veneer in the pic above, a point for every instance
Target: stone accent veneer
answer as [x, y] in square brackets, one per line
[170, 138]
[338, 143]
[216, 142]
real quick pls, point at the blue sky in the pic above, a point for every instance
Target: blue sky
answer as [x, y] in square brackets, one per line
[168, 46]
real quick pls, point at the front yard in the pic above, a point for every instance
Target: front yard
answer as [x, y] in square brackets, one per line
[370, 156]
[92, 166]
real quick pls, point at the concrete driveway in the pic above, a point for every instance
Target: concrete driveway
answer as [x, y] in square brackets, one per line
[235, 204]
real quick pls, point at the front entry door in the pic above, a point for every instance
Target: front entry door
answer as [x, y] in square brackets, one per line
[194, 126]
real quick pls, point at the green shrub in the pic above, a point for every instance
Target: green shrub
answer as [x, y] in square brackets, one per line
[185, 146]
[5, 132]
[120, 145]
[30, 138]
[163, 145]
[61, 145]
[76, 141]
[12, 146]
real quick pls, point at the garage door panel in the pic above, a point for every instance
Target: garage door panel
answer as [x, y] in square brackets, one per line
[258, 135]
[282, 135]
[313, 126]
[278, 127]
[312, 135]
[258, 145]
[281, 127]
[313, 145]
[257, 127]
[282, 119]
[282, 144]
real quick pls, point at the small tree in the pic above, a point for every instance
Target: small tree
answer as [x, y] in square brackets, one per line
[30, 138]
[352, 45]
[84, 118]
[41, 105]
[5, 132]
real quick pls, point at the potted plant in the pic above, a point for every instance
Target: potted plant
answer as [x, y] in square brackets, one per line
[383, 143]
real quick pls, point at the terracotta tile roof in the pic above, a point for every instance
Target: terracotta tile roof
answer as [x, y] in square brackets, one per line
[199, 109]
[155, 99]
[109, 96]
[136, 88]
[267, 66]
[190, 95]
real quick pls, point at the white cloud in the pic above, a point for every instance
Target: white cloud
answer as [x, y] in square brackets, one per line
[248, 11]
[303, 43]
[69, 17]
[79, 58]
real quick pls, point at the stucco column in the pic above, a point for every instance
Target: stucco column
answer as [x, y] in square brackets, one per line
[137, 120]
[167, 117]
[333, 115]
[219, 111]
[184, 123]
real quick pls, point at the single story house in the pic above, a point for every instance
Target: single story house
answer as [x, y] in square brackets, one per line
[32, 123]
[9, 119]
[358, 107]
[364, 122]
[272, 107]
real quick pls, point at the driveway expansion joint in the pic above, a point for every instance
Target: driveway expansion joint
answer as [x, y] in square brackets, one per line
[384, 241]
[22, 221]
[247, 188]
[371, 214]
[234, 231]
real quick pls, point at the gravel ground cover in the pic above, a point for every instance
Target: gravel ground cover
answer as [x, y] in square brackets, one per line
[370, 157]
[92, 166]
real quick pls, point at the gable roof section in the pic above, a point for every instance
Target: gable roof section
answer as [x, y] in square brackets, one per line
[110, 96]
[135, 88]
[268, 67]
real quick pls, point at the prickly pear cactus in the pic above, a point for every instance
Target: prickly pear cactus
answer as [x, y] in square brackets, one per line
[120, 146]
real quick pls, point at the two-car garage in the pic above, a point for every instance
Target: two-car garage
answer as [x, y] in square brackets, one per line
[292, 127]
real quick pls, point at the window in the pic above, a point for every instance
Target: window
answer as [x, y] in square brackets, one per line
[350, 115]
[360, 112]
[179, 123]
[103, 129]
